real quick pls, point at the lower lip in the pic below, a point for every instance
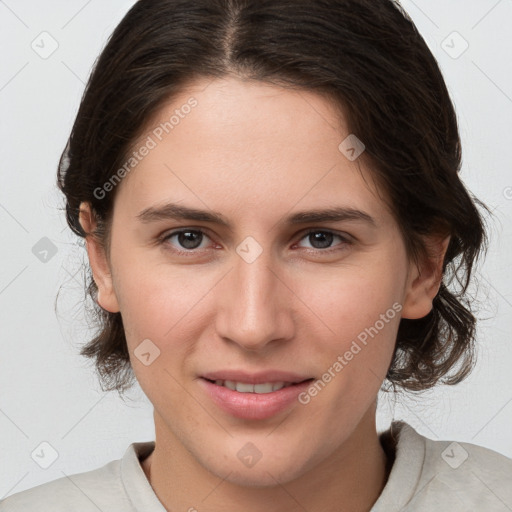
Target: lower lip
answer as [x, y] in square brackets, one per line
[253, 406]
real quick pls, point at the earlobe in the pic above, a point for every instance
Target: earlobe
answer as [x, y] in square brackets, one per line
[102, 275]
[424, 280]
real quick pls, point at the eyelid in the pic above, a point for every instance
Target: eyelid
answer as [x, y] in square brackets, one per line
[341, 234]
[164, 237]
[346, 238]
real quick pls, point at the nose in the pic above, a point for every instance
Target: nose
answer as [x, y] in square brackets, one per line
[255, 304]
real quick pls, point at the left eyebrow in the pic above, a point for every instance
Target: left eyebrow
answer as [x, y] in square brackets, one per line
[179, 212]
[331, 215]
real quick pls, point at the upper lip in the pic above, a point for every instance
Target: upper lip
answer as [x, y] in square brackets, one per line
[255, 378]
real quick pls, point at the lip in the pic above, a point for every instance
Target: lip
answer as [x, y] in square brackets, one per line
[255, 378]
[253, 406]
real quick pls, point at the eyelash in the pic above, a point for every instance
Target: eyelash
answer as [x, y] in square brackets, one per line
[345, 240]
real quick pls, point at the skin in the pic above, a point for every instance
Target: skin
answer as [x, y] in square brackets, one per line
[257, 153]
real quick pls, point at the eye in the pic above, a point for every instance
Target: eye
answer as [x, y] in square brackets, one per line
[189, 239]
[323, 239]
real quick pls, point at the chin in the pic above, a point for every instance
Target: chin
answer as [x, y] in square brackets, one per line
[266, 472]
[264, 477]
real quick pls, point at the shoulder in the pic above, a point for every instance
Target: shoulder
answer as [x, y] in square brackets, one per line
[477, 475]
[99, 489]
[460, 474]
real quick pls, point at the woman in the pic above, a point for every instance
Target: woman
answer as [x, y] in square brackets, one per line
[270, 199]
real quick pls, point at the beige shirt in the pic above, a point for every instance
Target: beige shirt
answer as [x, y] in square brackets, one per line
[426, 476]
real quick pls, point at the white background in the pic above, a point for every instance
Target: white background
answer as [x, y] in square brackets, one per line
[48, 393]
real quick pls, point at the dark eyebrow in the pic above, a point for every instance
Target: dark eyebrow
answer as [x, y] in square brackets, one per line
[179, 212]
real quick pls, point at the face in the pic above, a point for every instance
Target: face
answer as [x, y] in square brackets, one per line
[315, 297]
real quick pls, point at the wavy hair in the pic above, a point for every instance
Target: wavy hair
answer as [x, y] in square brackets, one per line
[369, 59]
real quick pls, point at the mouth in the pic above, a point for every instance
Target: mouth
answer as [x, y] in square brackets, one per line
[249, 401]
[261, 388]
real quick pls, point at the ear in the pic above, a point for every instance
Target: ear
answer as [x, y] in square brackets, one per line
[424, 279]
[100, 267]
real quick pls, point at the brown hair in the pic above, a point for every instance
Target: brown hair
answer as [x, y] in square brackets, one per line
[366, 55]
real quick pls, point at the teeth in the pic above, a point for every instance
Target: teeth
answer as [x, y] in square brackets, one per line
[243, 387]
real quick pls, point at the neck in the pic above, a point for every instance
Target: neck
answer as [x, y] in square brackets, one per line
[351, 479]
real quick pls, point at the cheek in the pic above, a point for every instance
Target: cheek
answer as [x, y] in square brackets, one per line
[164, 304]
[159, 308]
[358, 312]
[363, 323]
[144, 297]
[350, 298]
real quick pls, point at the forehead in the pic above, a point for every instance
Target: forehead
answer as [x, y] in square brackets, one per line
[239, 146]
